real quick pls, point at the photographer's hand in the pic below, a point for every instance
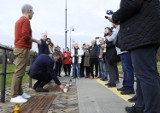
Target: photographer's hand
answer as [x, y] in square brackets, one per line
[110, 19]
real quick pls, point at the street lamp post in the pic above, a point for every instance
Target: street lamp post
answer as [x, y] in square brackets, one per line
[71, 29]
[66, 24]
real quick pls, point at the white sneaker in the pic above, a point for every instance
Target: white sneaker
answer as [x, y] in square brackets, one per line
[18, 99]
[26, 96]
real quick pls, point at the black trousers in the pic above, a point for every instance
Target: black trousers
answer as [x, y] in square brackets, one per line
[111, 71]
[148, 81]
[42, 79]
[58, 68]
[94, 63]
[67, 69]
[87, 69]
[82, 69]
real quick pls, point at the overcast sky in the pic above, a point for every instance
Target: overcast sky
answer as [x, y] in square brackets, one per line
[86, 16]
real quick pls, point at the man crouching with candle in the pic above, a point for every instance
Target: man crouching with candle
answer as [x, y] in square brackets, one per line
[43, 70]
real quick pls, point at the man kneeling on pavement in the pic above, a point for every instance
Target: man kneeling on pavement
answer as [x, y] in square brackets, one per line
[43, 70]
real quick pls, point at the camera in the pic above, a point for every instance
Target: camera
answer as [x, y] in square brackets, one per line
[96, 37]
[109, 12]
[106, 17]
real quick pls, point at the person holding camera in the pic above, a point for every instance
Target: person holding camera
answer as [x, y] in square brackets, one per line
[139, 34]
[111, 58]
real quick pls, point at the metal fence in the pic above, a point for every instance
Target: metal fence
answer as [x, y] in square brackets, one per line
[4, 71]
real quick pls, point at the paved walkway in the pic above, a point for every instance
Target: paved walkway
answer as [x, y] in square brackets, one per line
[85, 96]
[95, 98]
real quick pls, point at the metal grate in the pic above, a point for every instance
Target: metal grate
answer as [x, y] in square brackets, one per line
[38, 104]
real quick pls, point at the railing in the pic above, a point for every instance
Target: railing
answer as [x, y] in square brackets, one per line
[4, 72]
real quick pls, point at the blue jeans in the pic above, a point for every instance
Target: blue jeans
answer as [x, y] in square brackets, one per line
[76, 70]
[148, 81]
[103, 72]
[127, 67]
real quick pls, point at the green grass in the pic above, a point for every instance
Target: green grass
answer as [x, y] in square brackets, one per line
[158, 66]
[11, 68]
[120, 67]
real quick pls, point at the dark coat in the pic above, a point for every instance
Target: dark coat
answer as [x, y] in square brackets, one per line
[43, 48]
[86, 62]
[43, 64]
[139, 23]
[93, 51]
[111, 53]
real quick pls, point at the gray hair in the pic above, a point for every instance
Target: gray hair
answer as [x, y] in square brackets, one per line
[26, 7]
[54, 54]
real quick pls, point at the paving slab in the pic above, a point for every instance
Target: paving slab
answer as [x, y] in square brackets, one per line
[95, 98]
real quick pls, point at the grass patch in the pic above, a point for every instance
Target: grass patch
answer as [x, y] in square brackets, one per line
[11, 68]
[120, 67]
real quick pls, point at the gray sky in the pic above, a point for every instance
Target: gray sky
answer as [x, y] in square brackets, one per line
[86, 16]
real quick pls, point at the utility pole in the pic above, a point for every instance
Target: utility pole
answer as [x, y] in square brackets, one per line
[71, 29]
[66, 24]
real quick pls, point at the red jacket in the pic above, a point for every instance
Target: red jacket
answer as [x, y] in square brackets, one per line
[67, 58]
[23, 33]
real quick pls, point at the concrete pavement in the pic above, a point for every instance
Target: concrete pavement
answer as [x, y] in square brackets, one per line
[95, 98]
[85, 96]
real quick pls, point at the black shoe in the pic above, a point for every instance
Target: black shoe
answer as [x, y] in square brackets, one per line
[132, 110]
[103, 79]
[111, 85]
[41, 90]
[107, 84]
[128, 92]
[59, 75]
[133, 99]
[34, 87]
[121, 89]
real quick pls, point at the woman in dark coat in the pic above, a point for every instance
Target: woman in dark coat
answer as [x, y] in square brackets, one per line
[86, 61]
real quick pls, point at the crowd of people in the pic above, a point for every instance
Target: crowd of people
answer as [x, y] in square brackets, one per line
[131, 39]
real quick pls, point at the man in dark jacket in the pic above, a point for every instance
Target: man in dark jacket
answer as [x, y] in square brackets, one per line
[139, 34]
[43, 44]
[42, 70]
[94, 58]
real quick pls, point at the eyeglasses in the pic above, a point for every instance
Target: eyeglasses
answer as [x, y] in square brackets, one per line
[31, 11]
[48, 41]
